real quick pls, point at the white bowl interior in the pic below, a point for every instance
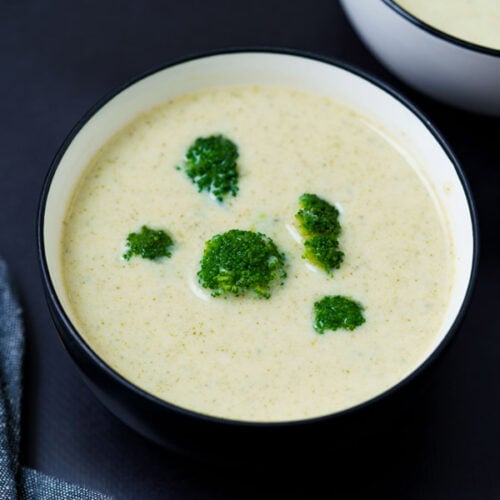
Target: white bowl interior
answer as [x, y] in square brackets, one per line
[401, 125]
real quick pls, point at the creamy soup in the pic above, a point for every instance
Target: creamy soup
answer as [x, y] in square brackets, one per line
[243, 357]
[476, 21]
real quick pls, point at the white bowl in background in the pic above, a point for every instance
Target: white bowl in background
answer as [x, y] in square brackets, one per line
[447, 68]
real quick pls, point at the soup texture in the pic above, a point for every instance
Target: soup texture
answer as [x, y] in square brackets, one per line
[248, 358]
[475, 21]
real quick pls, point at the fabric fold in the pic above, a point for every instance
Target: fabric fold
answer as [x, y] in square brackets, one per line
[16, 481]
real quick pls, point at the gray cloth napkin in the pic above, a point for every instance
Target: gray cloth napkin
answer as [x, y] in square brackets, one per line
[16, 481]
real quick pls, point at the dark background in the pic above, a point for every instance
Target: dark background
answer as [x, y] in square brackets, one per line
[57, 59]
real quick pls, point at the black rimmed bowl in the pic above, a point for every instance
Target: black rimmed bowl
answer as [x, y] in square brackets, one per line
[205, 436]
[445, 67]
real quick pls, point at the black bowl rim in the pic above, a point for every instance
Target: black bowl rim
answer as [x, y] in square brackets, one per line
[438, 33]
[52, 295]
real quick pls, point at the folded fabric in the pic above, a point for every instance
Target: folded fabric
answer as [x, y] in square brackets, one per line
[16, 481]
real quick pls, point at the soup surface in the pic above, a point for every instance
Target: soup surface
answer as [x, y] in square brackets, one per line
[242, 357]
[476, 21]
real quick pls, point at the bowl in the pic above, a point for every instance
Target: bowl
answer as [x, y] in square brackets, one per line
[442, 66]
[201, 435]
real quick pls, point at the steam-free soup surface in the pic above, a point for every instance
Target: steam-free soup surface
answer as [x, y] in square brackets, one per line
[476, 21]
[249, 358]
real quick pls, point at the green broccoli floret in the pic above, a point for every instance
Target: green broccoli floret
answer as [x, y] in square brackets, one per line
[237, 262]
[320, 226]
[334, 312]
[210, 163]
[317, 216]
[149, 244]
[323, 250]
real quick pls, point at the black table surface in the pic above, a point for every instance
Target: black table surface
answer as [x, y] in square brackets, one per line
[57, 59]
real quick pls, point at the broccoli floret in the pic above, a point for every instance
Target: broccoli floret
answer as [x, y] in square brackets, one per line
[317, 216]
[334, 312]
[237, 262]
[149, 244]
[323, 251]
[320, 226]
[210, 163]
